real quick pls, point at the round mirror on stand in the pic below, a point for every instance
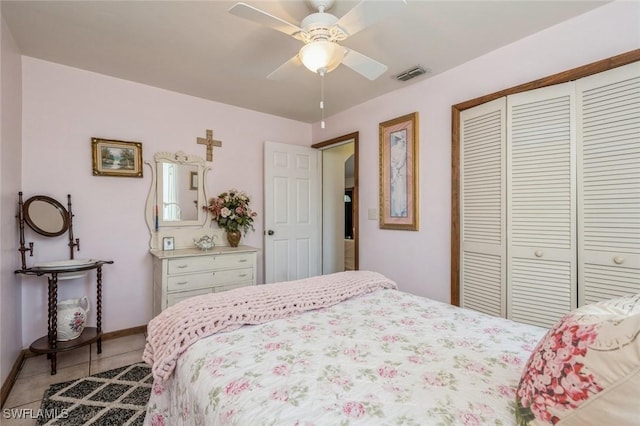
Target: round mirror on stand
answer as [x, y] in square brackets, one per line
[46, 216]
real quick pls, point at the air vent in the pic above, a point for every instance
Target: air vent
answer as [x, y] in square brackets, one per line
[409, 74]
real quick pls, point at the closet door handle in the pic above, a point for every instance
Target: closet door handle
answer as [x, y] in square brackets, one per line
[618, 260]
[539, 253]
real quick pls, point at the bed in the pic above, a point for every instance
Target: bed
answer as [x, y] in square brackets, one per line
[381, 357]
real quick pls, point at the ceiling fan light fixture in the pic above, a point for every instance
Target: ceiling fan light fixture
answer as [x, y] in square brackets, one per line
[321, 54]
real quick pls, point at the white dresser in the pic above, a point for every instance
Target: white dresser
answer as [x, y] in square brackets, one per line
[183, 273]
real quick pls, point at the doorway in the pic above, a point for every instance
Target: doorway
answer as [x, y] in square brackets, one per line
[339, 203]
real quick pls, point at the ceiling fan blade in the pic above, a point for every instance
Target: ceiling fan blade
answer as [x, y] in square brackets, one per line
[285, 70]
[367, 13]
[362, 64]
[251, 13]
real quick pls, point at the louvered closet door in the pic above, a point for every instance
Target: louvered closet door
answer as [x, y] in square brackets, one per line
[541, 241]
[609, 184]
[482, 208]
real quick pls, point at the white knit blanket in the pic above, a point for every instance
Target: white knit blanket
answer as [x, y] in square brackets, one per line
[181, 325]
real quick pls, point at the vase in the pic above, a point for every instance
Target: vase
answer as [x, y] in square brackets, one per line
[71, 318]
[234, 238]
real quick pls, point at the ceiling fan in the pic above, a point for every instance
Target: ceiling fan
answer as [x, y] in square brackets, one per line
[321, 31]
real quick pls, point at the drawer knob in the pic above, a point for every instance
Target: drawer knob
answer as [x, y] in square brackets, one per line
[182, 266]
[182, 282]
[242, 275]
[539, 253]
[618, 260]
[242, 260]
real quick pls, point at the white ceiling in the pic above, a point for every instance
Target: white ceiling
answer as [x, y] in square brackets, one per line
[197, 48]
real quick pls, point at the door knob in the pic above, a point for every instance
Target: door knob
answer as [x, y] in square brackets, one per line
[270, 232]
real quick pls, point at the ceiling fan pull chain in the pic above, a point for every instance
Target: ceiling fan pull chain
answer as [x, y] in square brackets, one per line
[322, 73]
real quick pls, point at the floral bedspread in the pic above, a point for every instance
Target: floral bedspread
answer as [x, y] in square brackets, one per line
[385, 358]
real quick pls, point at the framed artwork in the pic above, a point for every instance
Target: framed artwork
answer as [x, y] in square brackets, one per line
[116, 158]
[399, 173]
[193, 180]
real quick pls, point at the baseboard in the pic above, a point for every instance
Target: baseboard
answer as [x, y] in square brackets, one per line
[11, 378]
[26, 353]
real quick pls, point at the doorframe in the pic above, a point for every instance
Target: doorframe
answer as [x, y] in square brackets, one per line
[356, 217]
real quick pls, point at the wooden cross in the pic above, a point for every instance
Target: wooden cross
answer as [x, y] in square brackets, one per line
[210, 143]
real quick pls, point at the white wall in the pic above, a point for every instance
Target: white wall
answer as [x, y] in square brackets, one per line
[420, 261]
[333, 184]
[10, 146]
[63, 108]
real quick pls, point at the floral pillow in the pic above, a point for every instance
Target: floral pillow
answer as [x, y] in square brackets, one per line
[586, 369]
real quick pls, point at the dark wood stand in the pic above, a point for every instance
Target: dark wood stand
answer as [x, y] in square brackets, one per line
[49, 344]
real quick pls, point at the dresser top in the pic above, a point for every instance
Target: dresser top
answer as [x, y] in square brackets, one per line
[190, 252]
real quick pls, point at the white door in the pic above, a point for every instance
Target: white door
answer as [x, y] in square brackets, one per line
[541, 205]
[293, 206]
[483, 243]
[609, 184]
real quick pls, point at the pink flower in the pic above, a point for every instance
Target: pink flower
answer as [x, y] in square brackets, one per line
[281, 370]
[415, 359]
[511, 359]
[432, 379]
[237, 386]
[280, 395]
[353, 409]
[507, 391]
[272, 346]
[308, 327]
[390, 338]
[158, 388]
[157, 420]
[407, 321]
[387, 372]
[468, 418]
[475, 367]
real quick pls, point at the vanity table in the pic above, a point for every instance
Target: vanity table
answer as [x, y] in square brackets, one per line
[48, 217]
[176, 218]
[49, 344]
[183, 273]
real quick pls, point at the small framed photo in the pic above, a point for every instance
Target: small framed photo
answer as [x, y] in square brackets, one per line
[399, 173]
[193, 182]
[168, 243]
[116, 158]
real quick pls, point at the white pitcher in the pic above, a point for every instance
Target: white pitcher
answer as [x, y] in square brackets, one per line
[72, 318]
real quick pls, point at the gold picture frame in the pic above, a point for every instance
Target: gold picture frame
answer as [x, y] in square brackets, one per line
[116, 158]
[193, 181]
[399, 173]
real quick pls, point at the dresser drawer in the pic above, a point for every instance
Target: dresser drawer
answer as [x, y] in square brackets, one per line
[208, 279]
[221, 288]
[207, 263]
[173, 298]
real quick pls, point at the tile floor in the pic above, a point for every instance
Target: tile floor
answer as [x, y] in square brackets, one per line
[34, 377]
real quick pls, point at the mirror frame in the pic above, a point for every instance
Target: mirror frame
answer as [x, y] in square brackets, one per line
[154, 222]
[66, 220]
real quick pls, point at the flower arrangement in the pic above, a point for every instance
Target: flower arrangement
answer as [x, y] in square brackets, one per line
[231, 210]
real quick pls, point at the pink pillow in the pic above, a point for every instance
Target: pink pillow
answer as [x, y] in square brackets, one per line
[586, 369]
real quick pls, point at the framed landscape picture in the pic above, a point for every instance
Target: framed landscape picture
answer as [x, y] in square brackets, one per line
[399, 173]
[116, 158]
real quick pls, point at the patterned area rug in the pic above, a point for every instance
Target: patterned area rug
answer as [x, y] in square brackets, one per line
[114, 397]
